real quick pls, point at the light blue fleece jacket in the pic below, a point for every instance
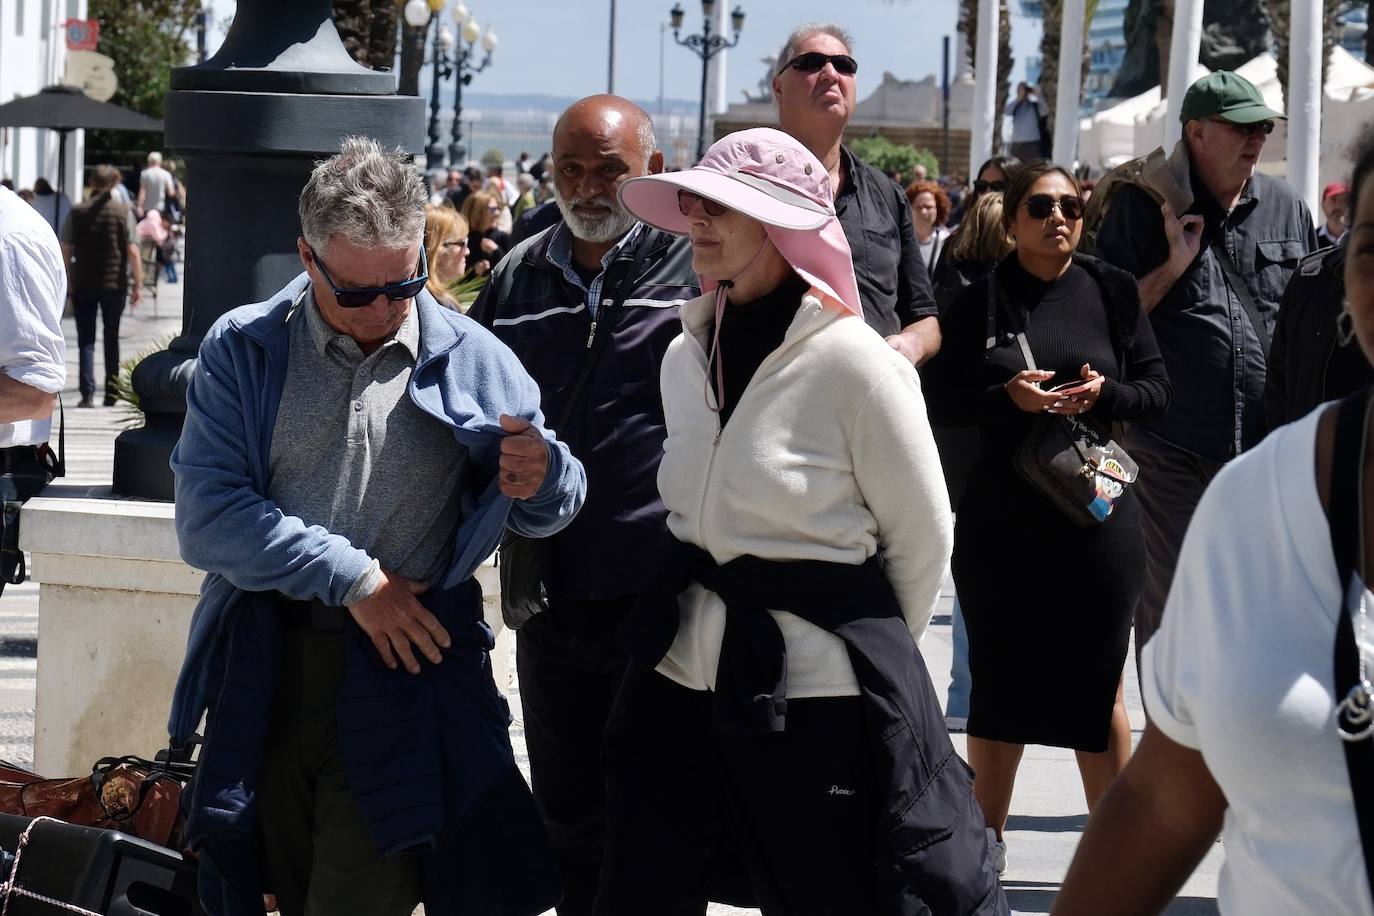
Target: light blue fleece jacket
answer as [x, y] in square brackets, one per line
[464, 377]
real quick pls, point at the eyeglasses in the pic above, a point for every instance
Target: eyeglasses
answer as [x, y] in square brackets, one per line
[1249, 130]
[1040, 206]
[815, 61]
[982, 187]
[493, 208]
[357, 297]
[686, 200]
[463, 245]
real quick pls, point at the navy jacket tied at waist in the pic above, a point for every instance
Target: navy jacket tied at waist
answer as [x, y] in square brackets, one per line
[933, 852]
[428, 759]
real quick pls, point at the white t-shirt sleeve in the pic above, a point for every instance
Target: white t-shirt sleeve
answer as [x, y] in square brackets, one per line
[33, 291]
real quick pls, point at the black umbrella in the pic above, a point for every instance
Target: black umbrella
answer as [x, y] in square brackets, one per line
[65, 109]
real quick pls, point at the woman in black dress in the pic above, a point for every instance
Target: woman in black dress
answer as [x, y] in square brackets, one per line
[1047, 602]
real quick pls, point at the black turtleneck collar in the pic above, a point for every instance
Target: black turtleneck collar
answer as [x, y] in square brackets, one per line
[749, 331]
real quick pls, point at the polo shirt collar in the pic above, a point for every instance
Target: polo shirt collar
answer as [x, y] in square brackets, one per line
[322, 334]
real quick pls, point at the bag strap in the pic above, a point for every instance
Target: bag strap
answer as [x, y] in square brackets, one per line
[1343, 518]
[996, 302]
[1233, 280]
[601, 328]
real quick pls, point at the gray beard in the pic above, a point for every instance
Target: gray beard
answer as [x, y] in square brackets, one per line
[603, 228]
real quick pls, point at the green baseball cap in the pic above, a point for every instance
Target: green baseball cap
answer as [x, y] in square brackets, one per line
[1228, 96]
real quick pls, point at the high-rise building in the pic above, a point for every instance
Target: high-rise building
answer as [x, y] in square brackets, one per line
[1106, 48]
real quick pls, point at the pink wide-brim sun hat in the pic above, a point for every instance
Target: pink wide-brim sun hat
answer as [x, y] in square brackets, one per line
[768, 176]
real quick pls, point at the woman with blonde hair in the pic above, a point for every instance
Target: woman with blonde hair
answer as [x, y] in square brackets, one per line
[487, 244]
[446, 247]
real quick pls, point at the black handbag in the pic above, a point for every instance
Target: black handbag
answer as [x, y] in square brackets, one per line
[522, 562]
[24, 471]
[1072, 461]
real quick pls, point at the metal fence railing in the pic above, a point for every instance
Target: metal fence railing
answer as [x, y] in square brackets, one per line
[513, 133]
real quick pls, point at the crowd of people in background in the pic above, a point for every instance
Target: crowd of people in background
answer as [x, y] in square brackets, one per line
[751, 412]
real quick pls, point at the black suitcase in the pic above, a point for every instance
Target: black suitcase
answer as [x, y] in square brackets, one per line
[97, 870]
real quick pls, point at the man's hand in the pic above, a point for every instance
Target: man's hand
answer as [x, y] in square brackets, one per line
[524, 458]
[394, 619]
[135, 294]
[918, 341]
[1184, 234]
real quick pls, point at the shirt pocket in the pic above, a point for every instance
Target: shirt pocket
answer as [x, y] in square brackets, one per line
[881, 252]
[1275, 262]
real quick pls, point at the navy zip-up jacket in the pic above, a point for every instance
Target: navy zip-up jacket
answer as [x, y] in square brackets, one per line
[617, 428]
[932, 849]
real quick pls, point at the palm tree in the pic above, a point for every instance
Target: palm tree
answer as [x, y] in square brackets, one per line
[1280, 21]
[1049, 52]
[968, 24]
[368, 30]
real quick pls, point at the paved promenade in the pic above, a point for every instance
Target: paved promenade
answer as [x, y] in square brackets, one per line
[1048, 811]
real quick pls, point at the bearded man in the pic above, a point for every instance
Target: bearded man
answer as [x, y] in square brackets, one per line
[596, 274]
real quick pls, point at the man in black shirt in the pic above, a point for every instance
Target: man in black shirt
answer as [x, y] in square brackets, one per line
[814, 90]
[1204, 310]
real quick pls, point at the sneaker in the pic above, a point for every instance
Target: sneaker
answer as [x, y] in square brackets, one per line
[956, 723]
[999, 852]
[86, 401]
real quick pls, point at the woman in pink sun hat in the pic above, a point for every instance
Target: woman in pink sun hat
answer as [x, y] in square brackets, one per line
[778, 712]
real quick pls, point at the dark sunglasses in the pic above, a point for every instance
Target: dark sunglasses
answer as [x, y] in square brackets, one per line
[1040, 206]
[1249, 130]
[815, 61]
[356, 298]
[982, 187]
[686, 200]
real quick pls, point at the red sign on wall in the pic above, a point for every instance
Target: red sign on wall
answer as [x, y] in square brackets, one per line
[82, 34]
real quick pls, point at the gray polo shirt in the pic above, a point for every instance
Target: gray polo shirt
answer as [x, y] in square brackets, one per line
[352, 453]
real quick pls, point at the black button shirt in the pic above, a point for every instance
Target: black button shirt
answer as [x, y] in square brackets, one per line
[894, 287]
[1214, 357]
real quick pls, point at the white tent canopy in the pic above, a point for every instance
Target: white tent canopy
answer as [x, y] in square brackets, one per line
[1135, 126]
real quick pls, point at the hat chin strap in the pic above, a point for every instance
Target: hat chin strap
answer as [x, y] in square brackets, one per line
[722, 289]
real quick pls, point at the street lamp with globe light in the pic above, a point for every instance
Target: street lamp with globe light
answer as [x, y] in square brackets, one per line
[705, 45]
[464, 66]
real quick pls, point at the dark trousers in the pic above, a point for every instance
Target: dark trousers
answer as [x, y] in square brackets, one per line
[317, 855]
[1170, 485]
[570, 665]
[110, 303]
[799, 806]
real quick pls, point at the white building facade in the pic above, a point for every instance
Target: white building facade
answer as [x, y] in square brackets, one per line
[33, 54]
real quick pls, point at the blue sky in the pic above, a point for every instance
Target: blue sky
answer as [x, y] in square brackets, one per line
[559, 47]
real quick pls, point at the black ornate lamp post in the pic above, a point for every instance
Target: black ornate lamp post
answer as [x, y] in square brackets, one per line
[250, 123]
[464, 66]
[705, 45]
[418, 14]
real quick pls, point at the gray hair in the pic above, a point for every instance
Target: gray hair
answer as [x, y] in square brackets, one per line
[155, 158]
[524, 181]
[805, 31]
[370, 196]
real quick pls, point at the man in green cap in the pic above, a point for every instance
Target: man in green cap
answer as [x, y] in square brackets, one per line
[1211, 279]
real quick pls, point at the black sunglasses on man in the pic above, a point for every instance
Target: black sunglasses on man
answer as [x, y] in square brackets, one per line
[815, 61]
[358, 297]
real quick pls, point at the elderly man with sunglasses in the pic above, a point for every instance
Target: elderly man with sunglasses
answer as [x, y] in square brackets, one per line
[815, 95]
[1211, 279]
[352, 452]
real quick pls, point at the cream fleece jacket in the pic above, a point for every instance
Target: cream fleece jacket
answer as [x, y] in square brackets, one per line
[828, 456]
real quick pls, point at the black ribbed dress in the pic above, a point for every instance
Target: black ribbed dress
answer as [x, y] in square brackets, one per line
[1048, 603]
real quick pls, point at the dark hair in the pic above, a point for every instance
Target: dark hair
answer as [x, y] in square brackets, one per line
[1362, 152]
[1020, 184]
[934, 190]
[472, 172]
[1009, 166]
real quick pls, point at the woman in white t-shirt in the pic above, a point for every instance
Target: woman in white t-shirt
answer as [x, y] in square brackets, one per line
[1239, 683]
[929, 211]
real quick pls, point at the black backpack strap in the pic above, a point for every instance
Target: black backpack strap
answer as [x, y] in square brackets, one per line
[1237, 284]
[1344, 518]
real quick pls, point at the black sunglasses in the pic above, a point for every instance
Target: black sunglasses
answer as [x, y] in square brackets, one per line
[686, 200]
[815, 61]
[356, 298]
[1249, 130]
[982, 187]
[1040, 206]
